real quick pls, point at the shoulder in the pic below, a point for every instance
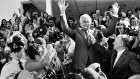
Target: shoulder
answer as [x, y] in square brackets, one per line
[131, 55]
[9, 63]
[7, 66]
[7, 70]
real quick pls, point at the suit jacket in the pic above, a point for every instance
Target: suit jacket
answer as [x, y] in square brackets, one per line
[83, 52]
[126, 66]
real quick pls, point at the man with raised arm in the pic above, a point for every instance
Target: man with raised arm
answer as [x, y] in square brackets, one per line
[83, 53]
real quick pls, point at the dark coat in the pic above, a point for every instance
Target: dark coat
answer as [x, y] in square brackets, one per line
[126, 66]
[83, 51]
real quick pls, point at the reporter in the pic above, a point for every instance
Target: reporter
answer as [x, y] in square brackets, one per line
[36, 64]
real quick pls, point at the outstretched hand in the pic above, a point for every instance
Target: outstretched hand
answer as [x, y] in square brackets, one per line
[62, 6]
[115, 8]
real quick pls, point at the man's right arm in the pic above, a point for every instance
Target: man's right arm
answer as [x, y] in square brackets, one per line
[31, 65]
[64, 25]
[102, 50]
[66, 29]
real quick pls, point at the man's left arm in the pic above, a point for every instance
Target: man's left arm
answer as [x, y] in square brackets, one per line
[112, 24]
[111, 28]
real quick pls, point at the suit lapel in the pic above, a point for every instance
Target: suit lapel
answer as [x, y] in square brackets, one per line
[81, 32]
[121, 59]
[113, 58]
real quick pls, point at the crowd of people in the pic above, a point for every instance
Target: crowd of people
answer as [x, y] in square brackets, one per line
[95, 47]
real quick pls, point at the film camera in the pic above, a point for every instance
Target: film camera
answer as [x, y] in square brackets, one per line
[54, 36]
[50, 74]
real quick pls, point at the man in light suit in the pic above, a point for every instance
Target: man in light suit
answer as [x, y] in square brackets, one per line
[123, 63]
[83, 53]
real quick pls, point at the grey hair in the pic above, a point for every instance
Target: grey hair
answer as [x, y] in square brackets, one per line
[86, 16]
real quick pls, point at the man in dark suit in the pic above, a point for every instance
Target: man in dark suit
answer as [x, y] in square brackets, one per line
[123, 62]
[83, 54]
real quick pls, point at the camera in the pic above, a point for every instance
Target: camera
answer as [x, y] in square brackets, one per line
[50, 74]
[54, 36]
[107, 13]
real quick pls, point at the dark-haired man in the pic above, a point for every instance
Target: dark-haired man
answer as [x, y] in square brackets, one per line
[71, 23]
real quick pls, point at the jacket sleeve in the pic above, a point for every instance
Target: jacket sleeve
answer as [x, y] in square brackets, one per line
[36, 65]
[111, 28]
[102, 50]
[66, 29]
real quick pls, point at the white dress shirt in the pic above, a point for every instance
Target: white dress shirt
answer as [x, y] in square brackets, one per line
[70, 46]
[10, 69]
[118, 56]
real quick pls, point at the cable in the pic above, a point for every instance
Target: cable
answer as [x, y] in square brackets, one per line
[96, 4]
[77, 7]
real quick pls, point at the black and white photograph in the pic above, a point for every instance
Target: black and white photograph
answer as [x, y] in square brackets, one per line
[69, 39]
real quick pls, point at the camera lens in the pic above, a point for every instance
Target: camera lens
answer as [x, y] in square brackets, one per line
[50, 74]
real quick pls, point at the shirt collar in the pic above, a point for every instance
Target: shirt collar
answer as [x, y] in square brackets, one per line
[120, 52]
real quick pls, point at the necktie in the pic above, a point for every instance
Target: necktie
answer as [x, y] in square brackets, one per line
[115, 55]
[86, 35]
[20, 65]
[87, 38]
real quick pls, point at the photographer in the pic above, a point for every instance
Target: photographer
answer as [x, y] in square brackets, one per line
[54, 32]
[38, 60]
[42, 59]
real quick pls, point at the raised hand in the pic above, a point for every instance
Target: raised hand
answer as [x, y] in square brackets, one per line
[62, 6]
[115, 9]
[21, 11]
